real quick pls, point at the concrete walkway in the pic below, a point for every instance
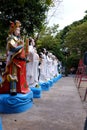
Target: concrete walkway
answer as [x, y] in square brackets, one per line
[60, 108]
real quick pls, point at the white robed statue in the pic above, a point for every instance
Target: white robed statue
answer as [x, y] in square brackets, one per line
[35, 67]
[30, 63]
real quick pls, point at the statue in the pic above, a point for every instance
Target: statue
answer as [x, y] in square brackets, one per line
[32, 68]
[36, 65]
[30, 64]
[14, 77]
[43, 64]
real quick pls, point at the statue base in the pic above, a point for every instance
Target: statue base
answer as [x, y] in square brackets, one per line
[17, 103]
[37, 91]
[45, 86]
[0, 123]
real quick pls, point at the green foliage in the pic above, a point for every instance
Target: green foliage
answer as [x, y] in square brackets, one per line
[73, 61]
[49, 40]
[73, 36]
[76, 38]
[31, 13]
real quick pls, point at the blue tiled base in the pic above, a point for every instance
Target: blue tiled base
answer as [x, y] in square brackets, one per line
[15, 104]
[0, 124]
[51, 82]
[36, 91]
[45, 86]
[57, 78]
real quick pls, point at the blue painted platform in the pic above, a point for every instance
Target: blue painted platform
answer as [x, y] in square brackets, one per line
[15, 104]
[0, 124]
[48, 84]
[37, 91]
[45, 86]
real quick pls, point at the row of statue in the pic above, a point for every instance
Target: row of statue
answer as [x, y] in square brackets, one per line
[25, 68]
[42, 67]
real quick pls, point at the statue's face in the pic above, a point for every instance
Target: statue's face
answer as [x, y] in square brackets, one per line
[17, 31]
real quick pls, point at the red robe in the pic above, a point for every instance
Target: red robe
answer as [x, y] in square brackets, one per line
[21, 86]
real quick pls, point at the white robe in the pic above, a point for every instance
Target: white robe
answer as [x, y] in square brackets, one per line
[35, 67]
[49, 68]
[55, 67]
[43, 69]
[30, 66]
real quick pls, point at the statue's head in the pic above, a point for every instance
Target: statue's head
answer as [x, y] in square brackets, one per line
[44, 50]
[15, 27]
[31, 41]
[17, 24]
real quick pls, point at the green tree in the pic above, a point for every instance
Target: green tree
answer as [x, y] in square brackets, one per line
[76, 41]
[31, 13]
[49, 40]
[76, 38]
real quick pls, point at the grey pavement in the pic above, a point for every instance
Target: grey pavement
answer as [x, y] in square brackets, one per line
[60, 108]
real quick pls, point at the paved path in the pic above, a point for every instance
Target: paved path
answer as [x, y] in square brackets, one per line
[60, 108]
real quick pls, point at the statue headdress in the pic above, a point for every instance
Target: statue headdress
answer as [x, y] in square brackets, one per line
[17, 23]
[11, 30]
[14, 25]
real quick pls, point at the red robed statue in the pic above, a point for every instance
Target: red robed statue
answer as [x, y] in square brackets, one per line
[14, 77]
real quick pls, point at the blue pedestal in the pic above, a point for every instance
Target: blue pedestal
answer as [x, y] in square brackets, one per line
[57, 78]
[48, 84]
[45, 86]
[0, 124]
[51, 82]
[15, 104]
[36, 91]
